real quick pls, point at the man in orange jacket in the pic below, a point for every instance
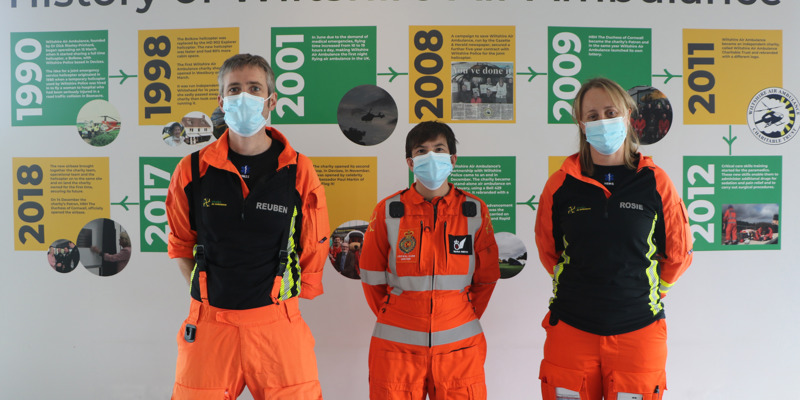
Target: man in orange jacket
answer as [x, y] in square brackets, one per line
[428, 267]
[247, 215]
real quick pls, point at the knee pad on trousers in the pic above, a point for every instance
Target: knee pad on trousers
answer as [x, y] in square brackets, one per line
[181, 392]
[636, 385]
[560, 383]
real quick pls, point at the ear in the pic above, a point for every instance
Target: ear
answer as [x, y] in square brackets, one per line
[453, 158]
[219, 101]
[271, 102]
[410, 163]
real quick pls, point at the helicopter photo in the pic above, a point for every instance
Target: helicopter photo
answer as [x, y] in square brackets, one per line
[369, 116]
[109, 123]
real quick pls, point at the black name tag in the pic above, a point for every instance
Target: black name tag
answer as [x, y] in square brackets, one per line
[460, 244]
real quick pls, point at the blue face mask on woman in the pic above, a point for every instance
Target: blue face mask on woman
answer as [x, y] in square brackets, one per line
[432, 169]
[243, 113]
[606, 135]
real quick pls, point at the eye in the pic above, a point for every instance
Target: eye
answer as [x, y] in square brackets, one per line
[591, 117]
[612, 113]
[233, 90]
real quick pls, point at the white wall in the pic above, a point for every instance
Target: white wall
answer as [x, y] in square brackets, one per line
[70, 336]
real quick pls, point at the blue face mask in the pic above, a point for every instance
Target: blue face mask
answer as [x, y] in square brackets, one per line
[606, 135]
[243, 113]
[432, 169]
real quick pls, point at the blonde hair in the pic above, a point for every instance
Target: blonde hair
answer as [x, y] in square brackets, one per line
[623, 101]
[124, 239]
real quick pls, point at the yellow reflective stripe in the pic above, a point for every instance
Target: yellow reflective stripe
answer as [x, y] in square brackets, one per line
[559, 268]
[652, 272]
[665, 286]
[194, 269]
[288, 282]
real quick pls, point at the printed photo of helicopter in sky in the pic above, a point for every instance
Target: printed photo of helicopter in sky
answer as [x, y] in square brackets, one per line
[367, 115]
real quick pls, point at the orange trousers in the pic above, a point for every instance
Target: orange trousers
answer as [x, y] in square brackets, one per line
[600, 367]
[451, 371]
[269, 349]
[730, 232]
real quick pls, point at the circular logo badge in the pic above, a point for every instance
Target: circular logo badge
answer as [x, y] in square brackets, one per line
[772, 116]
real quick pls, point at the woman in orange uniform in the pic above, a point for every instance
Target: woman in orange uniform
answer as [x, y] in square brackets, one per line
[613, 234]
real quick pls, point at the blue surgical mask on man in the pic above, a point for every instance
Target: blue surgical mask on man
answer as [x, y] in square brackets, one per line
[244, 113]
[606, 135]
[432, 169]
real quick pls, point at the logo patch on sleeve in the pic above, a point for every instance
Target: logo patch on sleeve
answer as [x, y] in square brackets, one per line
[460, 244]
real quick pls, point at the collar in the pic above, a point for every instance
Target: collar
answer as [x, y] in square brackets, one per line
[217, 152]
[415, 198]
[572, 167]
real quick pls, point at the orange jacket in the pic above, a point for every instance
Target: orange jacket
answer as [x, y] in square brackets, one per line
[440, 268]
[729, 216]
[315, 228]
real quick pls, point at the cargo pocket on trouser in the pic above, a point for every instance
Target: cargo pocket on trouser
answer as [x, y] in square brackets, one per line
[458, 375]
[303, 391]
[396, 376]
[569, 383]
[180, 392]
[636, 385]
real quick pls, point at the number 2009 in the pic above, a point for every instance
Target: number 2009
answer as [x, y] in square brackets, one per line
[565, 65]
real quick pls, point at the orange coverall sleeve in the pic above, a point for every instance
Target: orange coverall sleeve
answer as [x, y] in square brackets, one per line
[315, 229]
[487, 264]
[543, 229]
[182, 237]
[677, 254]
[375, 256]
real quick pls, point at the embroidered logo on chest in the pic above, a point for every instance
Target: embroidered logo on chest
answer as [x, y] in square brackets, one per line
[408, 242]
[460, 244]
[577, 209]
[212, 203]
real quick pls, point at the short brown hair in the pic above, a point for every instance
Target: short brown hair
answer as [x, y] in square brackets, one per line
[430, 130]
[623, 101]
[244, 60]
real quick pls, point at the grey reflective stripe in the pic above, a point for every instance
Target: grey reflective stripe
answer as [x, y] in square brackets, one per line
[425, 283]
[373, 277]
[473, 225]
[392, 232]
[407, 336]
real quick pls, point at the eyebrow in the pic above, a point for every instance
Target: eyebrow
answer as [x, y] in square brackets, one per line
[233, 84]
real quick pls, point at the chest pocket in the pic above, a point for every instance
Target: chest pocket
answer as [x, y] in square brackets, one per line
[453, 271]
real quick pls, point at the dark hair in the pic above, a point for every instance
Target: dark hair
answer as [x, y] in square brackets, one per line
[430, 130]
[172, 127]
[246, 60]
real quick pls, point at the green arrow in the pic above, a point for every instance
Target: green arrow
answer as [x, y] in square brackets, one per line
[729, 140]
[124, 204]
[532, 73]
[124, 76]
[668, 76]
[530, 203]
[393, 73]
